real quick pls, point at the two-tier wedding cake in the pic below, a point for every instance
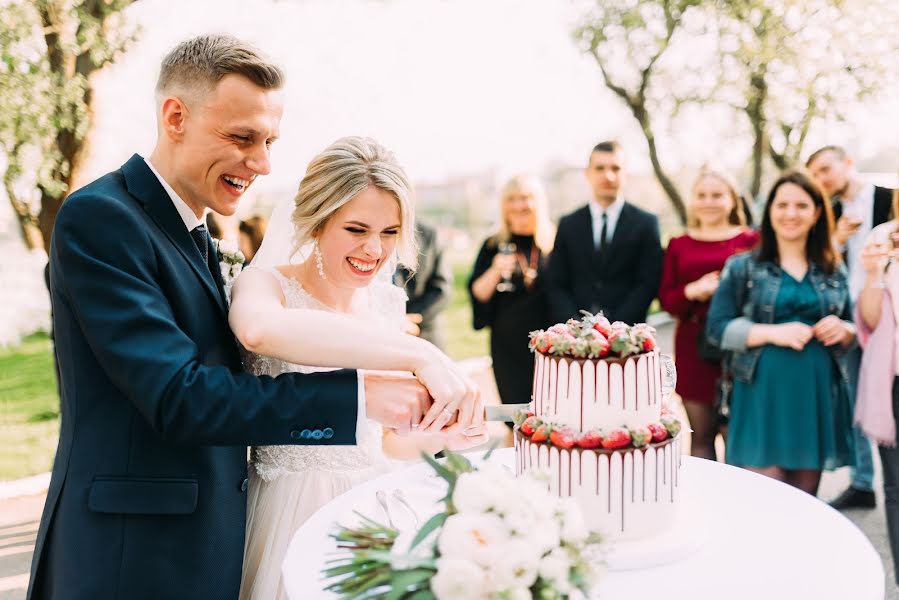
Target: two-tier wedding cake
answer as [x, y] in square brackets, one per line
[598, 426]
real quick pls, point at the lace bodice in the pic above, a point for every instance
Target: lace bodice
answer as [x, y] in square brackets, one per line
[381, 301]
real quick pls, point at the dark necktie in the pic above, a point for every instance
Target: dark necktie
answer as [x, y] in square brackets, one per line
[202, 241]
[602, 233]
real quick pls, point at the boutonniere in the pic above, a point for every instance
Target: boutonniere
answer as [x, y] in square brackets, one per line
[231, 259]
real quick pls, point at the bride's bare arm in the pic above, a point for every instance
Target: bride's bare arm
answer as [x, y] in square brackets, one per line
[264, 325]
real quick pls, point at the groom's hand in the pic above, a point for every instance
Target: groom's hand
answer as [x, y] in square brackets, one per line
[395, 401]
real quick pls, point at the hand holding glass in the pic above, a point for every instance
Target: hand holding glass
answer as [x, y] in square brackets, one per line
[506, 285]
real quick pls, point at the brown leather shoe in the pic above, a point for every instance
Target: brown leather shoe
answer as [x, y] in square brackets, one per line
[854, 498]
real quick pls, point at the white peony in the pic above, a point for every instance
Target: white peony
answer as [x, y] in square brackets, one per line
[543, 535]
[574, 529]
[473, 536]
[226, 271]
[515, 594]
[476, 492]
[555, 567]
[458, 579]
[228, 247]
[516, 566]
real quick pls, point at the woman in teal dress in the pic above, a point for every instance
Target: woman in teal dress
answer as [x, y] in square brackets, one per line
[783, 313]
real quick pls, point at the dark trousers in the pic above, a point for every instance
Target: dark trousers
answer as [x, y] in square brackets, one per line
[890, 459]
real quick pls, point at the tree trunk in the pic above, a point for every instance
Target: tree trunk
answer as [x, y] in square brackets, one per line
[755, 110]
[642, 115]
[30, 234]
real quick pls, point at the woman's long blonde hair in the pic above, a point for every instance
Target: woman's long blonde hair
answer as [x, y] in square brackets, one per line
[544, 230]
[737, 216]
[341, 172]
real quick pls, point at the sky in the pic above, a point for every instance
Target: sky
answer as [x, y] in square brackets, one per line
[453, 87]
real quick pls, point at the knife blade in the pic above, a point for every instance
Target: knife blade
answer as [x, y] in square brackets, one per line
[503, 412]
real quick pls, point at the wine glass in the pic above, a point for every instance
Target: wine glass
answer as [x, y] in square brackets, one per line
[890, 246]
[669, 378]
[506, 285]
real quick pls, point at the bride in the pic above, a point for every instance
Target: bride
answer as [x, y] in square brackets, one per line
[336, 307]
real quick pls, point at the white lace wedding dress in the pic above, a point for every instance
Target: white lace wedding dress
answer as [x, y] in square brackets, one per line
[289, 483]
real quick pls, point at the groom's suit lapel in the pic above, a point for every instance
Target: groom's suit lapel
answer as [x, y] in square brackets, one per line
[143, 185]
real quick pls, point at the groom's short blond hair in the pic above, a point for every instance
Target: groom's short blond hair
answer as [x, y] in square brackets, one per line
[194, 67]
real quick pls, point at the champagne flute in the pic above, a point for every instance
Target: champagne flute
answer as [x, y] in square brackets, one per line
[889, 246]
[669, 378]
[506, 285]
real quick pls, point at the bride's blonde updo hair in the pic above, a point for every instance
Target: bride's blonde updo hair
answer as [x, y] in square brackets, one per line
[341, 172]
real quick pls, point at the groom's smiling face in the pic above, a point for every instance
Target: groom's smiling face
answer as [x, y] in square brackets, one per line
[225, 143]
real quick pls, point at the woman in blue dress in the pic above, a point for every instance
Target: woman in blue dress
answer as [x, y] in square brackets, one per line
[783, 313]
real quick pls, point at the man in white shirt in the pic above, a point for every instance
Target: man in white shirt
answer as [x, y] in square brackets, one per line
[858, 207]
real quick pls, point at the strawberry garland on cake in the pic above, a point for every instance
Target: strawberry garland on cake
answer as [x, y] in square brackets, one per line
[565, 436]
[594, 337]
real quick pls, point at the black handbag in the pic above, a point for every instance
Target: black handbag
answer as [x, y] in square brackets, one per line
[708, 351]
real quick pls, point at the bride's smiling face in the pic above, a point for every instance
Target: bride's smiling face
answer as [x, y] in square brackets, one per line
[360, 237]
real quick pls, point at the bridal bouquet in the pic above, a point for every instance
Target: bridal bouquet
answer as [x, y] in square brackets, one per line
[499, 537]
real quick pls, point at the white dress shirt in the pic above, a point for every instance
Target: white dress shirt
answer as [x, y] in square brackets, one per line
[612, 212]
[191, 222]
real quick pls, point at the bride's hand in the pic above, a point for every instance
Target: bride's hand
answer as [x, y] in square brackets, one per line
[457, 436]
[451, 390]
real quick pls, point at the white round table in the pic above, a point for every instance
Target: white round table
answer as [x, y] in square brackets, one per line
[763, 539]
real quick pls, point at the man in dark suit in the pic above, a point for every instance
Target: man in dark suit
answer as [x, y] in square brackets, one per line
[429, 288]
[858, 207]
[607, 256]
[147, 495]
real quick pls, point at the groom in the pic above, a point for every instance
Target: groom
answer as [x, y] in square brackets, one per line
[148, 493]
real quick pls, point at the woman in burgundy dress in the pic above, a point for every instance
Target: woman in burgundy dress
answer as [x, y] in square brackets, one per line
[716, 230]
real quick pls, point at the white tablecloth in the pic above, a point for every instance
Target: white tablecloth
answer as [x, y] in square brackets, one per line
[763, 539]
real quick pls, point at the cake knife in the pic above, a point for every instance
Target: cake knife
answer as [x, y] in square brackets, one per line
[503, 412]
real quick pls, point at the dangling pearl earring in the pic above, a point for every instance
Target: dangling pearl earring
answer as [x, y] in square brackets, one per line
[318, 259]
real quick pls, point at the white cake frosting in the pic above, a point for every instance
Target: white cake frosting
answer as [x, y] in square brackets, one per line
[625, 494]
[604, 394]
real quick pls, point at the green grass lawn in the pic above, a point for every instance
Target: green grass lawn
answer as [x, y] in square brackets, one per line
[29, 409]
[462, 341]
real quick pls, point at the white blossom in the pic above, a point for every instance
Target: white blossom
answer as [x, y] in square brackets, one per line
[228, 247]
[472, 536]
[515, 566]
[459, 579]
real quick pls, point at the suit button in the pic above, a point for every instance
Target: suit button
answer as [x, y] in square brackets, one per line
[244, 485]
[295, 434]
[306, 434]
[317, 434]
[327, 433]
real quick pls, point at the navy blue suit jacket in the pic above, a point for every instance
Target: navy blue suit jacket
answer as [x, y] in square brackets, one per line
[621, 282]
[147, 497]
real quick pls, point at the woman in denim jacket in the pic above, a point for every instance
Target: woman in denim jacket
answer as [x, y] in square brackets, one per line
[784, 314]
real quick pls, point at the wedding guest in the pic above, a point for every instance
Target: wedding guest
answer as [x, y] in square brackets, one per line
[784, 313]
[250, 232]
[858, 207]
[429, 287]
[506, 285]
[716, 230]
[607, 256]
[877, 401]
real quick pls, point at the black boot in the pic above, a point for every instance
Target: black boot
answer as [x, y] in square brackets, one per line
[854, 498]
